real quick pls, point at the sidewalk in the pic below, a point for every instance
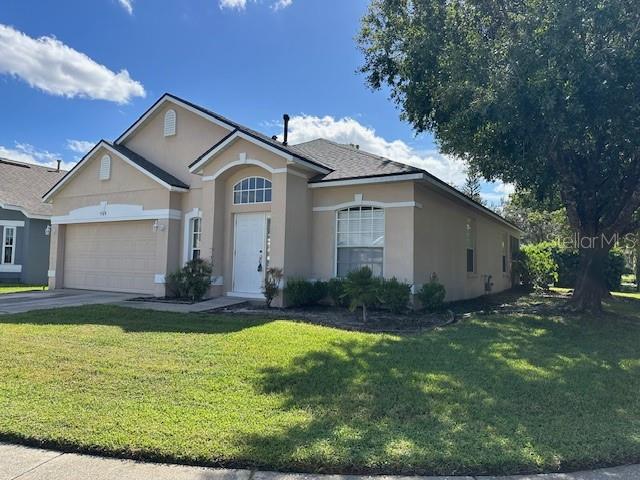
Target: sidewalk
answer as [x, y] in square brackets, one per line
[25, 463]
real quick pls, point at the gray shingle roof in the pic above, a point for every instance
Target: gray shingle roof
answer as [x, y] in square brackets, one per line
[152, 168]
[23, 184]
[348, 162]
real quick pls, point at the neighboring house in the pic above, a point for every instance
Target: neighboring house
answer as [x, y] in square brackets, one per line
[185, 182]
[24, 221]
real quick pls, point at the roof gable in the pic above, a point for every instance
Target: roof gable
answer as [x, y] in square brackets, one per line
[128, 156]
[172, 99]
[277, 149]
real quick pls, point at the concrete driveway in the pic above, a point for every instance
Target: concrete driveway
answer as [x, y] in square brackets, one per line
[24, 302]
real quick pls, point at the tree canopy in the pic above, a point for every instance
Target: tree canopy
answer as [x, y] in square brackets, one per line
[540, 93]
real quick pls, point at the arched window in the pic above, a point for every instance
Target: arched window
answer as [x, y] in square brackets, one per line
[360, 240]
[252, 190]
[170, 123]
[105, 167]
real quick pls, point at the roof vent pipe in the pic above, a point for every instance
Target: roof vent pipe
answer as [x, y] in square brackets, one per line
[58, 169]
[285, 117]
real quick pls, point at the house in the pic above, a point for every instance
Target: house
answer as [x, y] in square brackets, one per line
[184, 182]
[25, 221]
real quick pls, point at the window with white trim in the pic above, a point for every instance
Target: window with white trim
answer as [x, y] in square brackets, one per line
[9, 245]
[195, 234]
[470, 244]
[360, 240]
[170, 123]
[252, 190]
[105, 167]
[504, 253]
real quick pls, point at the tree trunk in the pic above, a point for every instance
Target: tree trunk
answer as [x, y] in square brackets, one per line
[591, 283]
[364, 313]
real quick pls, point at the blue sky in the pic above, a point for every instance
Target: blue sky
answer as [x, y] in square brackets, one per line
[77, 71]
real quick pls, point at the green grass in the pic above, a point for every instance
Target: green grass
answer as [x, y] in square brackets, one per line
[19, 287]
[493, 394]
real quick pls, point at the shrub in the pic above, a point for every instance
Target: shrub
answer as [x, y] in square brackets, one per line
[271, 286]
[536, 266]
[362, 288]
[614, 269]
[192, 281]
[301, 293]
[336, 292]
[568, 262]
[394, 295]
[176, 285]
[431, 295]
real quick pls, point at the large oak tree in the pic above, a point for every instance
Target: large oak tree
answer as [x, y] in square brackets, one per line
[542, 93]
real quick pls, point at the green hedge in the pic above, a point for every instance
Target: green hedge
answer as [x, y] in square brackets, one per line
[536, 266]
[542, 264]
[302, 293]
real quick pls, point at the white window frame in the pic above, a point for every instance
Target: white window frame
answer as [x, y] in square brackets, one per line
[192, 235]
[188, 238]
[5, 229]
[384, 241]
[504, 258]
[170, 124]
[263, 189]
[471, 222]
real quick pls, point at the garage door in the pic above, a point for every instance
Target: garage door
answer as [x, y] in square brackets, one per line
[114, 256]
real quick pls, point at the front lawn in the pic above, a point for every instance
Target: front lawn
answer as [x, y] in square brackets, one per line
[19, 287]
[493, 394]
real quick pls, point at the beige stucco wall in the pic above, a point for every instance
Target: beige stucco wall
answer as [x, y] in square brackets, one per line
[194, 135]
[127, 185]
[440, 245]
[399, 242]
[218, 209]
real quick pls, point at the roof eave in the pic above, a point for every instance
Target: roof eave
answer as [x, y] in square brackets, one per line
[414, 176]
[225, 142]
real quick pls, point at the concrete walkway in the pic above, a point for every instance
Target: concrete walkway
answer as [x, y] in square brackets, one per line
[41, 300]
[25, 463]
[204, 306]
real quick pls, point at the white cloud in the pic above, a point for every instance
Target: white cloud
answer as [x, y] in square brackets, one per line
[347, 130]
[127, 5]
[233, 4]
[280, 4]
[27, 153]
[497, 192]
[79, 146]
[50, 65]
[242, 4]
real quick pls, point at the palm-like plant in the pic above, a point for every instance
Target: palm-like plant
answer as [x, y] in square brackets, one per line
[361, 287]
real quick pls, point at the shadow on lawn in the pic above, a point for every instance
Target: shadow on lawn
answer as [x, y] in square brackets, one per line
[524, 394]
[136, 320]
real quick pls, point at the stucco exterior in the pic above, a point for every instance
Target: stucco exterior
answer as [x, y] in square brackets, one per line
[424, 225]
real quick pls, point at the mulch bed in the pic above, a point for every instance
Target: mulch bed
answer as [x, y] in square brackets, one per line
[378, 321]
[179, 301]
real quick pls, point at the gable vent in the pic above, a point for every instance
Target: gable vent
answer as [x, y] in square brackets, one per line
[105, 167]
[170, 123]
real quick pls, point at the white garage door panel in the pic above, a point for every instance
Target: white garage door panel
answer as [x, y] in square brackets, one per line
[116, 256]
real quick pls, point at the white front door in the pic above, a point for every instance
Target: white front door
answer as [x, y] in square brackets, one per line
[248, 256]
